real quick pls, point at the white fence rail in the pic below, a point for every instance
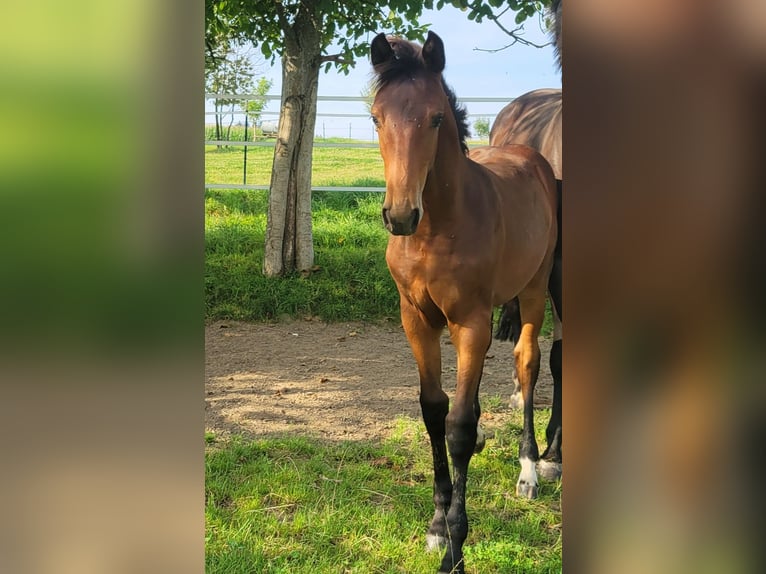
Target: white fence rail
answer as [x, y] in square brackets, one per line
[350, 120]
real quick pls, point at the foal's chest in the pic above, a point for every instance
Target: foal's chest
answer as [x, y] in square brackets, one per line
[434, 269]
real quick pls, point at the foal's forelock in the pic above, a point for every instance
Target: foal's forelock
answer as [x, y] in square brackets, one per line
[408, 64]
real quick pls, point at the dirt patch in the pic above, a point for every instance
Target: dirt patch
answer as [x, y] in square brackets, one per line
[343, 381]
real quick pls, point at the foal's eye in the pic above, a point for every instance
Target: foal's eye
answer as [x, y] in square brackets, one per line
[375, 121]
[437, 120]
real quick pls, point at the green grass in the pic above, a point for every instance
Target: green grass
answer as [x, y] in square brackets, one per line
[352, 283]
[296, 505]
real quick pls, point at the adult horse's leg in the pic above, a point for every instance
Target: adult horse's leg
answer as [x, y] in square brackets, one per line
[527, 355]
[471, 341]
[550, 463]
[434, 404]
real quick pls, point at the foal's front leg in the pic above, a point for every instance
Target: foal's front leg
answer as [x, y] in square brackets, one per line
[471, 342]
[434, 403]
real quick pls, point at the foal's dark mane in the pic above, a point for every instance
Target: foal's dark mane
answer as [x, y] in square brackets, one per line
[408, 64]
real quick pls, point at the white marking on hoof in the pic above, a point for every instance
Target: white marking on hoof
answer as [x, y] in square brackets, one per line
[516, 401]
[435, 543]
[481, 439]
[526, 487]
[549, 470]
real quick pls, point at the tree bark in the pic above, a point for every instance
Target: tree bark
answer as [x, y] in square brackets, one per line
[289, 240]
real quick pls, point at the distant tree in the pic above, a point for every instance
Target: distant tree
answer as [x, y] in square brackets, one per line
[227, 73]
[481, 127]
[254, 108]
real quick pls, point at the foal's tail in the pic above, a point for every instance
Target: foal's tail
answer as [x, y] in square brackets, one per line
[509, 325]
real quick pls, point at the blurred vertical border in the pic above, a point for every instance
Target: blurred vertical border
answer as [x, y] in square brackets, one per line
[101, 326]
[664, 286]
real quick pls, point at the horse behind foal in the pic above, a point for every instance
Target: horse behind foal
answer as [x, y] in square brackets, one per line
[535, 119]
[467, 234]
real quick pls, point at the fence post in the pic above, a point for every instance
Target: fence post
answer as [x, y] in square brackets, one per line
[244, 163]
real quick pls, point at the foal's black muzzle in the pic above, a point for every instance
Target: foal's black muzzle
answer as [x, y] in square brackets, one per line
[401, 225]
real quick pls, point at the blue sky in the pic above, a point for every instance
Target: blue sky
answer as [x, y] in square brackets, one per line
[470, 72]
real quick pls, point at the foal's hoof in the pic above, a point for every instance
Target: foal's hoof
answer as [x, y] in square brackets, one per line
[526, 490]
[548, 469]
[434, 543]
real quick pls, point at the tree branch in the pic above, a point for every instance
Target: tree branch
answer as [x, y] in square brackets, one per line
[517, 38]
[337, 58]
[211, 51]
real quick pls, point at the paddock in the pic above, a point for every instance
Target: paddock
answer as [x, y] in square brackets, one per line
[320, 380]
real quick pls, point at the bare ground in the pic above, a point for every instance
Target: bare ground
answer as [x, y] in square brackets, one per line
[342, 381]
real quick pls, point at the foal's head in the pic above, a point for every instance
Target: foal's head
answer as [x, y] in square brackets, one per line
[412, 105]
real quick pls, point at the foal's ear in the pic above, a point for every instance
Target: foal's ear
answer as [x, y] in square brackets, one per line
[380, 50]
[433, 53]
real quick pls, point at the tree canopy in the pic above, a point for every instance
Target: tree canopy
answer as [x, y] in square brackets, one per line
[344, 24]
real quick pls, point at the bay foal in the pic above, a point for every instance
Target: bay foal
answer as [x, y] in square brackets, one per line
[467, 234]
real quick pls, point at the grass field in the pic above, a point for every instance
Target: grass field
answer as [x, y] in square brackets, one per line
[298, 506]
[331, 166]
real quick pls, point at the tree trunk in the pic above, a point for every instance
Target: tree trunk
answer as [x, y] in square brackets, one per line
[289, 241]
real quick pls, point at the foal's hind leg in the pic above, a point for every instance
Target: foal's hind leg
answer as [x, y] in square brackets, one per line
[434, 404]
[527, 355]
